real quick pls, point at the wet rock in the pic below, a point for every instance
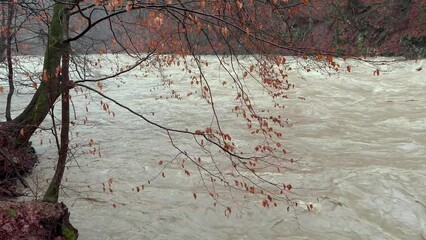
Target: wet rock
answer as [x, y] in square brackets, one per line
[35, 220]
[15, 162]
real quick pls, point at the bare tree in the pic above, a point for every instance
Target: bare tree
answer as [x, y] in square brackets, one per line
[167, 33]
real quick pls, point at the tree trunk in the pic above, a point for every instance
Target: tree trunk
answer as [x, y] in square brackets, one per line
[2, 34]
[15, 134]
[52, 192]
[49, 90]
[11, 13]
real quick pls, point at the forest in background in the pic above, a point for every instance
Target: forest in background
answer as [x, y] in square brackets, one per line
[351, 27]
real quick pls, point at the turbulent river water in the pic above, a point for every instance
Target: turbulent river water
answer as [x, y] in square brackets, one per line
[361, 140]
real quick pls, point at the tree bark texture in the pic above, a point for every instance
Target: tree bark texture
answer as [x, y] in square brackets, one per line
[9, 36]
[52, 192]
[49, 89]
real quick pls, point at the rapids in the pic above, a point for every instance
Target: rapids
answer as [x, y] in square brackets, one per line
[361, 140]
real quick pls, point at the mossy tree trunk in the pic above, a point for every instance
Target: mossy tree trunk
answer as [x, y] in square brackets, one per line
[54, 83]
[52, 192]
[49, 89]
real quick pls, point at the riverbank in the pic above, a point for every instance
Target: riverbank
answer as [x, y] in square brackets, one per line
[35, 220]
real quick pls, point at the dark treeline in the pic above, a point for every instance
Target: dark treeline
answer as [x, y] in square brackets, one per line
[351, 27]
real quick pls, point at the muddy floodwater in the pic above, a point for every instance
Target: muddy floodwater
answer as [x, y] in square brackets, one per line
[360, 140]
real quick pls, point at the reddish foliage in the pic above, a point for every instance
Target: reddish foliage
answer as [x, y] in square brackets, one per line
[32, 220]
